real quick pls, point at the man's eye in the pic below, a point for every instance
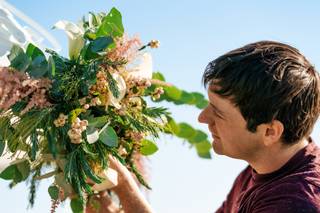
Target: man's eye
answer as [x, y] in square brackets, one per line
[216, 114]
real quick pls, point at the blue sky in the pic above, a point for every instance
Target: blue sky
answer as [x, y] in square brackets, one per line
[191, 34]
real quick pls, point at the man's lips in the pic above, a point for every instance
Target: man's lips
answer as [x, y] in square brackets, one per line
[215, 136]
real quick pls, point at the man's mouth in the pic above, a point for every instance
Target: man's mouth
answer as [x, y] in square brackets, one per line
[215, 136]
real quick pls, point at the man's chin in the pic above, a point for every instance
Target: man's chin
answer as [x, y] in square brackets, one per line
[217, 148]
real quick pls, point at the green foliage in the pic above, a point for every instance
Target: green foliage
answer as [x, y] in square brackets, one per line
[53, 192]
[97, 46]
[34, 145]
[111, 25]
[38, 134]
[18, 59]
[148, 147]
[39, 64]
[109, 137]
[203, 149]
[112, 84]
[2, 145]
[155, 112]
[185, 131]
[98, 122]
[17, 172]
[33, 61]
[76, 205]
[178, 96]
[196, 138]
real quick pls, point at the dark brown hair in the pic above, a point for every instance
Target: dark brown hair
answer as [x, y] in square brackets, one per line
[269, 80]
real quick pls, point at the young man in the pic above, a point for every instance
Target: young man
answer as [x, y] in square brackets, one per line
[264, 101]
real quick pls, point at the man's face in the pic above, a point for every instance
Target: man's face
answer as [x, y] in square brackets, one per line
[228, 129]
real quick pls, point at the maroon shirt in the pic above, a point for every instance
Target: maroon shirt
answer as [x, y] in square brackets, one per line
[294, 188]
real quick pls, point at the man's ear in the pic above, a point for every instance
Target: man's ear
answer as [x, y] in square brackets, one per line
[272, 132]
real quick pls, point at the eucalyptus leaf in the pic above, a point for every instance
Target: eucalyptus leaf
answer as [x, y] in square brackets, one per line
[100, 44]
[18, 59]
[98, 122]
[38, 67]
[96, 46]
[109, 137]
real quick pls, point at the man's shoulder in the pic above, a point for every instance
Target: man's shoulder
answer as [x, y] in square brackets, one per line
[298, 191]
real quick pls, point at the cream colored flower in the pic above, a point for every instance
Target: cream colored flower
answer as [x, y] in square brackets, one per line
[75, 36]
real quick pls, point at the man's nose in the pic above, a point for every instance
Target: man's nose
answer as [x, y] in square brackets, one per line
[202, 116]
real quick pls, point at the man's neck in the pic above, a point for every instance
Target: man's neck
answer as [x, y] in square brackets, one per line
[273, 158]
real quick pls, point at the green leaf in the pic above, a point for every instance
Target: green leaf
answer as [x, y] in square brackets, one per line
[174, 128]
[113, 86]
[24, 169]
[9, 173]
[202, 104]
[203, 149]
[33, 51]
[38, 67]
[87, 169]
[52, 140]
[200, 100]
[148, 147]
[2, 145]
[96, 46]
[18, 59]
[172, 92]
[18, 107]
[97, 122]
[53, 192]
[111, 25]
[158, 76]
[75, 113]
[34, 144]
[39, 64]
[17, 172]
[186, 131]
[187, 98]
[109, 137]
[51, 67]
[198, 137]
[76, 205]
[100, 44]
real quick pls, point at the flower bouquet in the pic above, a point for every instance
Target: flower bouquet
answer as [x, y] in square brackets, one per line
[63, 117]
